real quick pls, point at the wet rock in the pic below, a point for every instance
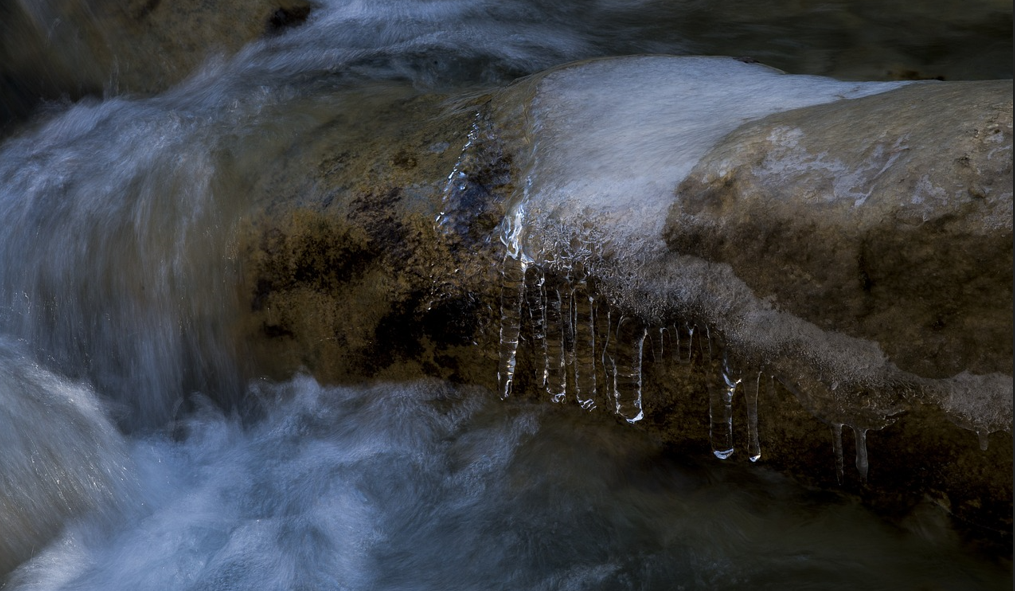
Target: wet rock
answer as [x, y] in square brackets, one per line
[382, 264]
[287, 17]
[887, 218]
[661, 263]
[52, 49]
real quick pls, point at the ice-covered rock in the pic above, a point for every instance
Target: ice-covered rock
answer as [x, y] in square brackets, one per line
[887, 219]
[674, 231]
[632, 235]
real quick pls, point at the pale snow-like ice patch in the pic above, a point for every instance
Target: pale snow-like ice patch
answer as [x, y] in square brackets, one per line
[615, 137]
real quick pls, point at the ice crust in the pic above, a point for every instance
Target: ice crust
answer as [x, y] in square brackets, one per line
[605, 145]
[615, 137]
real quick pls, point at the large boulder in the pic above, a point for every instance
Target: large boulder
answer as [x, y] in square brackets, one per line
[654, 237]
[887, 218]
[605, 234]
[882, 223]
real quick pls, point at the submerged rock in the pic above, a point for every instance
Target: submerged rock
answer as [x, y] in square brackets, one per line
[56, 49]
[62, 457]
[52, 49]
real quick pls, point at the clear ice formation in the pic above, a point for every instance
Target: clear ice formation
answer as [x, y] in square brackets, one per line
[861, 452]
[837, 450]
[511, 295]
[584, 350]
[602, 294]
[588, 351]
[751, 399]
[720, 411]
[605, 161]
[980, 403]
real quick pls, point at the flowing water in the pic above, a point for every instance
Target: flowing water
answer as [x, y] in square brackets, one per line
[421, 486]
[141, 451]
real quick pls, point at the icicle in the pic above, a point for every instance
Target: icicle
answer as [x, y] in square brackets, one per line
[861, 452]
[607, 345]
[686, 355]
[512, 294]
[720, 410]
[567, 314]
[556, 379]
[670, 349]
[584, 346]
[535, 301]
[709, 350]
[627, 379]
[983, 436]
[751, 388]
[837, 448]
[662, 341]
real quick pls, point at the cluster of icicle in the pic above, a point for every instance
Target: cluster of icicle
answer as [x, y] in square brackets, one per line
[587, 351]
[593, 354]
[584, 347]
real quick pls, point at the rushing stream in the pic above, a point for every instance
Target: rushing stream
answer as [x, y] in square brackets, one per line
[139, 449]
[421, 486]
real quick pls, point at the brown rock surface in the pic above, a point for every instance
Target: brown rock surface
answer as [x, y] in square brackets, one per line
[886, 218]
[346, 274]
[75, 48]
